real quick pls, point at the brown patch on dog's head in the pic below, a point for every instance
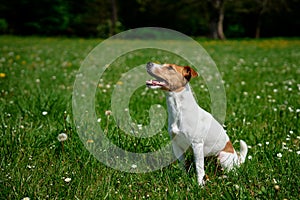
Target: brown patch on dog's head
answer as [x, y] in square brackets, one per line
[189, 73]
[170, 77]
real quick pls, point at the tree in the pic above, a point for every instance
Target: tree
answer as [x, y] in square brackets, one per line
[217, 10]
[114, 17]
[259, 10]
[37, 16]
[102, 18]
[267, 6]
[212, 13]
[91, 18]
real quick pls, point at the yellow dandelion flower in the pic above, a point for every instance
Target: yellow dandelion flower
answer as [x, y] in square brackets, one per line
[100, 85]
[2, 75]
[90, 141]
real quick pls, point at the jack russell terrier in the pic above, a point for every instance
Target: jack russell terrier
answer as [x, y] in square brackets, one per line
[190, 125]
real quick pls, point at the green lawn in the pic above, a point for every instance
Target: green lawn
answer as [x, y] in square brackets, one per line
[262, 82]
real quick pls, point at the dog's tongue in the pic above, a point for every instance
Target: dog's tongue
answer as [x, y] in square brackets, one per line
[154, 83]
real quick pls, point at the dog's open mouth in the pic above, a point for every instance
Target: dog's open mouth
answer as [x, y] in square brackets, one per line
[155, 84]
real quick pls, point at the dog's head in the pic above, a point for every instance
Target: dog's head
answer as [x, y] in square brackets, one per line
[169, 77]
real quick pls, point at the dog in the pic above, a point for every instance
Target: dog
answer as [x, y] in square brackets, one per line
[189, 124]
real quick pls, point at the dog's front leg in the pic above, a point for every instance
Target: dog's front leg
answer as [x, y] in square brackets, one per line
[179, 153]
[199, 160]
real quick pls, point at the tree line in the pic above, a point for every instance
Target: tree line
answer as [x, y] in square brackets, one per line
[102, 18]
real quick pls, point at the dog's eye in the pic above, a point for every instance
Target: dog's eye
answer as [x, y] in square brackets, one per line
[170, 68]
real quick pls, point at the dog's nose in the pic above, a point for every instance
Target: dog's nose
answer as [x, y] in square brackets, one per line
[149, 64]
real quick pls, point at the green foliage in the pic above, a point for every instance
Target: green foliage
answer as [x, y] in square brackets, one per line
[94, 18]
[37, 16]
[235, 31]
[261, 78]
[3, 25]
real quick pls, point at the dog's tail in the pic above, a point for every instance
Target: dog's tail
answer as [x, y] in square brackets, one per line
[243, 151]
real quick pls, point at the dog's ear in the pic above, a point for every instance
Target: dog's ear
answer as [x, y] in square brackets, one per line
[189, 73]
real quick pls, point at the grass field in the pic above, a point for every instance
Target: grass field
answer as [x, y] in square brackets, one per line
[262, 82]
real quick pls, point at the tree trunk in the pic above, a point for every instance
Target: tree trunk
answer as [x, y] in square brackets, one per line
[216, 19]
[263, 8]
[220, 23]
[114, 17]
[257, 29]
[214, 29]
[259, 20]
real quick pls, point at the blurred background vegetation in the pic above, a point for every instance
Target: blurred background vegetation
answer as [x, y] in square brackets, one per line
[217, 19]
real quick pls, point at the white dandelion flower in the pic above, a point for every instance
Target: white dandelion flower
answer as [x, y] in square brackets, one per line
[277, 187]
[67, 180]
[290, 109]
[237, 186]
[29, 166]
[140, 126]
[134, 166]
[279, 155]
[62, 137]
[108, 112]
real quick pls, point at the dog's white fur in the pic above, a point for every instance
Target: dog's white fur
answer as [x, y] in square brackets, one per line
[190, 125]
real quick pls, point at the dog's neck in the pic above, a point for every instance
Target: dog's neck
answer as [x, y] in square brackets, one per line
[180, 106]
[183, 100]
[183, 95]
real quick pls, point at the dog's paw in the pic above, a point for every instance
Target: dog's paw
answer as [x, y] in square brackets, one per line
[202, 183]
